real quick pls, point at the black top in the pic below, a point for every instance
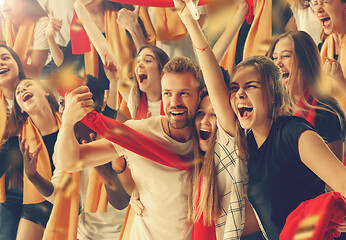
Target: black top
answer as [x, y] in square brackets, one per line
[278, 180]
[10, 153]
[327, 124]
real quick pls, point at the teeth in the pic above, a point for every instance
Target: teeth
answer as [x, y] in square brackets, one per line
[205, 135]
[4, 71]
[177, 113]
[27, 96]
[241, 105]
[203, 130]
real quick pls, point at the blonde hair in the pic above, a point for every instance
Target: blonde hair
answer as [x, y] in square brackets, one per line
[204, 170]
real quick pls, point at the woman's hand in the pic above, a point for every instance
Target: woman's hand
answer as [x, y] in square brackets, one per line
[29, 159]
[111, 71]
[183, 11]
[333, 69]
[128, 19]
[78, 104]
[136, 204]
[54, 25]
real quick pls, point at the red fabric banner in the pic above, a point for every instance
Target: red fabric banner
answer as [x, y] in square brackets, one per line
[154, 3]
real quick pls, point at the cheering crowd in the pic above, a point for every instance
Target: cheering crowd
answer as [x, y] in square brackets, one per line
[123, 121]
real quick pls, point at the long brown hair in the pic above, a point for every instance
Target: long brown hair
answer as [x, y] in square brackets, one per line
[16, 121]
[307, 60]
[277, 97]
[135, 92]
[204, 170]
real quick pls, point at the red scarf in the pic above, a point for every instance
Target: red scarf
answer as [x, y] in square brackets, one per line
[201, 231]
[79, 39]
[134, 141]
[327, 211]
[308, 113]
[143, 108]
[154, 3]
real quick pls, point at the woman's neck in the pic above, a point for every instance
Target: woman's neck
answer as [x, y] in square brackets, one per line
[96, 11]
[18, 21]
[153, 95]
[338, 39]
[261, 133]
[44, 120]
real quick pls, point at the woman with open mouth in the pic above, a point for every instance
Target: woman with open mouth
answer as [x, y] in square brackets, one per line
[332, 15]
[36, 121]
[144, 99]
[281, 151]
[211, 180]
[11, 72]
[302, 78]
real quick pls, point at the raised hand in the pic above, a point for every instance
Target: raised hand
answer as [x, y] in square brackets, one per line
[128, 19]
[136, 204]
[29, 159]
[182, 7]
[54, 25]
[333, 69]
[78, 104]
[111, 71]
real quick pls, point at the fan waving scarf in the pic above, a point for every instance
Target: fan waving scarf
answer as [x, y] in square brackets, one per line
[154, 3]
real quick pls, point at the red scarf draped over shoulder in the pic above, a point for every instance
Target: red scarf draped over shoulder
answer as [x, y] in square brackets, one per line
[143, 108]
[307, 112]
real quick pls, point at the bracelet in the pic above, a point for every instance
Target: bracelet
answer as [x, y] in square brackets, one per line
[201, 49]
[124, 168]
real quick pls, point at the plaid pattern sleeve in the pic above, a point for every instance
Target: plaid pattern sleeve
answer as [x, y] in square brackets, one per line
[232, 180]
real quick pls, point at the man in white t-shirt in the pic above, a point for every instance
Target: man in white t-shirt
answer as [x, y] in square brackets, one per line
[163, 190]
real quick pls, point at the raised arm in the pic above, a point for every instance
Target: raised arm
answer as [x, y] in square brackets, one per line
[213, 78]
[118, 182]
[129, 20]
[53, 27]
[221, 46]
[316, 155]
[70, 155]
[95, 35]
[44, 186]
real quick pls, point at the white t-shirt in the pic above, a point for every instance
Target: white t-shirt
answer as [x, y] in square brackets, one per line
[62, 9]
[163, 190]
[39, 41]
[307, 21]
[9, 104]
[154, 108]
[99, 225]
[95, 226]
[232, 182]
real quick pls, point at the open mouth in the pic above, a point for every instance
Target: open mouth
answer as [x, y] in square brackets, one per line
[244, 111]
[285, 74]
[177, 113]
[27, 96]
[142, 77]
[204, 134]
[325, 21]
[3, 71]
